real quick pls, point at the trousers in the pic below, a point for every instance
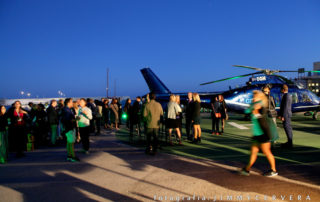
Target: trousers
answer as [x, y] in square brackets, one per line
[84, 134]
[152, 132]
[288, 128]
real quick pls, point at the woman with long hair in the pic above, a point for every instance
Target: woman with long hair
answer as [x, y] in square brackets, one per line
[18, 132]
[179, 114]
[172, 123]
[114, 113]
[3, 135]
[196, 107]
[106, 113]
[261, 134]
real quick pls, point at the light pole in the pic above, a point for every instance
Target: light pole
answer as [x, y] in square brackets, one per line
[107, 82]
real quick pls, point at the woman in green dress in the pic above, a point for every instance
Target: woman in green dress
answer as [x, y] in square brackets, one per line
[263, 133]
[3, 135]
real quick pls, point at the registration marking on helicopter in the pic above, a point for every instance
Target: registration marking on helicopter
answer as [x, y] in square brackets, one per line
[238, 126]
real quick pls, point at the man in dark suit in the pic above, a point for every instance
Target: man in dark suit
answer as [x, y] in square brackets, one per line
[286, 114]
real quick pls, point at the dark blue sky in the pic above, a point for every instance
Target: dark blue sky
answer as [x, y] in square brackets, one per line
[46, 46]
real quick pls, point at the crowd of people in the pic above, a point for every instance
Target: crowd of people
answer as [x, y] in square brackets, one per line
[150, 115]
[64, 121]
[73, 121]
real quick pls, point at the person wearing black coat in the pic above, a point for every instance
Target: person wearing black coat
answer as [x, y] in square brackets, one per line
[216, 115]
[106, 114]
[189, 116]
[53, 120]
[40, 126]
[285, 115]
[272, 113]
[91, 105]
[135, 114]
[195, 117]
[68, 120]
[223, 110]
[98, 113]
[127, 109]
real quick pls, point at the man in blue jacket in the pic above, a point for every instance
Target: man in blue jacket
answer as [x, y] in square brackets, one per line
[286, 114]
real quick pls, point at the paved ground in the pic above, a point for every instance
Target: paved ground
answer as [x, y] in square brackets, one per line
[114, 171]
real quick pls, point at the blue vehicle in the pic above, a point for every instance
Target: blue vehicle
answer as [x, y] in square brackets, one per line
[238, 99]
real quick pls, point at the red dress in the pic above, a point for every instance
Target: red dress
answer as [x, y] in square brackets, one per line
[19, 118]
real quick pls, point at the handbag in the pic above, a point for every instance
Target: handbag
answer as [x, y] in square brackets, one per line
[273, 130]
[217, 115]
[264, 125]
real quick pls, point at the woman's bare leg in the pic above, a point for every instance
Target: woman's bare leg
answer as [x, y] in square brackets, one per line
[253, 156]
[195, 132]
[199, 130]
[266, 149]
[179, 134]
[170, 132]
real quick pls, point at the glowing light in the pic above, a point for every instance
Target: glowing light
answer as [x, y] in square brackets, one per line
[124, 116]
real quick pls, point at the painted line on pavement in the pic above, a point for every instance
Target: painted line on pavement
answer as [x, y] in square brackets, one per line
[237, 125]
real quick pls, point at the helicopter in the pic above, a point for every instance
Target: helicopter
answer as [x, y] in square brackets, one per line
[239, 99]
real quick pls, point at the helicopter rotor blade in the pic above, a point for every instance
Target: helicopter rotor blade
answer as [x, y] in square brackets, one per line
[247, 67]
[230, 78]
[312, 71]
[286, 71]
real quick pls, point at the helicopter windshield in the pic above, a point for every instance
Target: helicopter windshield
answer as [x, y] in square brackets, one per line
[314, 97]
[304, 97]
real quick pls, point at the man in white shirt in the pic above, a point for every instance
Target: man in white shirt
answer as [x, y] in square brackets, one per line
[84, 117]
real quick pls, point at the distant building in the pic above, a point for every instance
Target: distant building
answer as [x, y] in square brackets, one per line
[311, 81]
[316, 67]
